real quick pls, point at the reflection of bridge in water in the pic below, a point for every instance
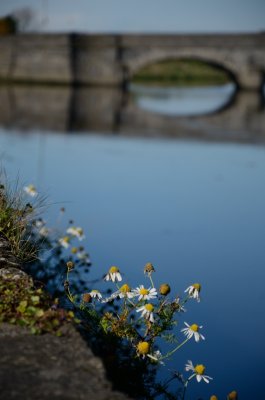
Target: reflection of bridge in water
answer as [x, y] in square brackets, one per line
[101, 110]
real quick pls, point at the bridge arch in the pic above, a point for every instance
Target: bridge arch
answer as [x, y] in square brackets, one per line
[218, 61]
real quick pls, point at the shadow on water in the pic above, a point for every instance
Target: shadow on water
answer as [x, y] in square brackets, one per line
[217, 113]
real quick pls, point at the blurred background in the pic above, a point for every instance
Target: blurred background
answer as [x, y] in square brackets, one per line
[146, 120]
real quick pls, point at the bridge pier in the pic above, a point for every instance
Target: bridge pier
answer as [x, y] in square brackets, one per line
[96, 60]
[250, 79]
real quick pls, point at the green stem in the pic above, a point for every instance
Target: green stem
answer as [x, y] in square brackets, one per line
[185, 300]
[69, 295]
[151, 281]
[174, 350]
[184, 390]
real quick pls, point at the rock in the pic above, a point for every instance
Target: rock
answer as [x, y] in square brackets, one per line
[12, 273]
[40, 367]
[46, 367]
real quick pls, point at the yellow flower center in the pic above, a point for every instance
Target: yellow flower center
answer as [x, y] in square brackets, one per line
[94, 291]
[144, 291]
[143, 347]
[194, 327]
[74, 250]
[80, 231]
[197, 286]
[213, 397]
[149, 307]
[113, 270]
[66, 239]
[199, 369]
[125, 288]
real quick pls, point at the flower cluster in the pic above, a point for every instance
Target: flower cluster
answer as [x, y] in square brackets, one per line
[139, 315]
[143, 314]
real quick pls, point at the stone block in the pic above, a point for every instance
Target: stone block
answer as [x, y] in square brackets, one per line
[42, 58]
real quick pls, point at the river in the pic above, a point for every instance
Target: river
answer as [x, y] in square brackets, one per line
[174, 176]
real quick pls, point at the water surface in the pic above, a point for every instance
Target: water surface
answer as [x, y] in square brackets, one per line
[182, 101]
[194, 208]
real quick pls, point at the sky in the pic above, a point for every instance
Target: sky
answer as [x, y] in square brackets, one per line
[116, 16]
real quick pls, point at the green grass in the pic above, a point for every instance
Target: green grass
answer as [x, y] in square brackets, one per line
[16, 218]
[181, 72]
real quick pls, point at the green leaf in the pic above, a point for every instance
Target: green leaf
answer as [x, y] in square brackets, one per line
[35, 299]
[39, 313]
[22, 306]
[31, 310]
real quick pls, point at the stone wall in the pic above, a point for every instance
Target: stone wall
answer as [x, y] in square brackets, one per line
[36, 58]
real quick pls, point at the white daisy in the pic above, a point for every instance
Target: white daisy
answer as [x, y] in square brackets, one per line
[95, 294]
[83, 256]
[110, 298]
[177, 305]
[147, 312]
[198, 371]
[65, 242]
[30, 190]
[113, 274]
[76, 231]
[39, 223]
[194, 291]
[125, 291]
[44, 231]
[145, 294]
[156, 356]
[193, 330]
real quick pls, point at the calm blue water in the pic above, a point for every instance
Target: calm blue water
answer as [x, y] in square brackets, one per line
[195, 209]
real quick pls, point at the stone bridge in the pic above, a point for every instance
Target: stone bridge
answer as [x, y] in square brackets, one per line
[114, 59]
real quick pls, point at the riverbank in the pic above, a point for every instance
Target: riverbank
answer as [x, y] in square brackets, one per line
[181, 73]
[56, 364]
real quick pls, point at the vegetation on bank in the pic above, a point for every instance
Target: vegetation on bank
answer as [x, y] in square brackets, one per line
[123, 324]
[181, 72]
[24, 304]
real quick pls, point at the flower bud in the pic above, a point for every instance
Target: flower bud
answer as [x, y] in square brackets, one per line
[87, 298]
[70, 265]
[232, 395]
[149, 268]
[164, 289]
